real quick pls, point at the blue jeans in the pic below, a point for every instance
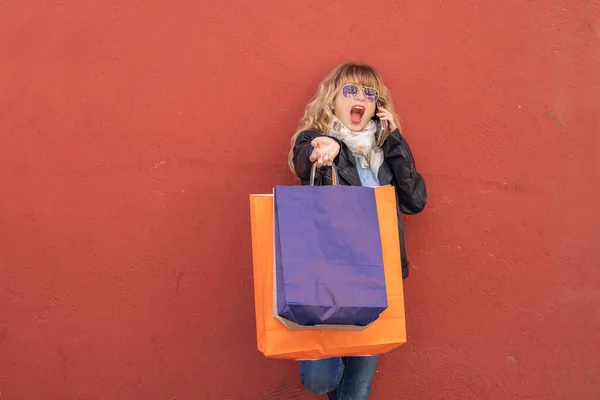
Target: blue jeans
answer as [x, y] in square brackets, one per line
[348, 377]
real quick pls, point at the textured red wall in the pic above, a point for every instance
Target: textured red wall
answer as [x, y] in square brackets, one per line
[133, 132]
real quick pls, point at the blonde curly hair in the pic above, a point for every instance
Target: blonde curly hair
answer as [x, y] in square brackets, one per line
[318, 115]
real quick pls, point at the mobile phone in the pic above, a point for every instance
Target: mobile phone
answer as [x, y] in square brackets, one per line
[382, 126]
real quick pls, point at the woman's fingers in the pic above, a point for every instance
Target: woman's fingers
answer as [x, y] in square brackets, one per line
[321, 158]
[324, 151]
[385, 115]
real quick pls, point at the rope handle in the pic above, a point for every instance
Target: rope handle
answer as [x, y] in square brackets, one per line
[334, 174]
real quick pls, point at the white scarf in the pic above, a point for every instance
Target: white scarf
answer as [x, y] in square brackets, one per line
[361, 144]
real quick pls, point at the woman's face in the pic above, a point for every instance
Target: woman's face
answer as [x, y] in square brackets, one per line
[352, 108]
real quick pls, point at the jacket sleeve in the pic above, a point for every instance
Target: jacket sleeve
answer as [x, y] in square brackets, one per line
[302, 152]
[409, 184]
[301, 160]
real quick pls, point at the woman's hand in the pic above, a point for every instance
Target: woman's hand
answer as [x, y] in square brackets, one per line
[385, 115]
[325, 150]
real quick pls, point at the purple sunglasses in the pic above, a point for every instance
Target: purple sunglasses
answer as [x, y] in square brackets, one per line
[350, 90]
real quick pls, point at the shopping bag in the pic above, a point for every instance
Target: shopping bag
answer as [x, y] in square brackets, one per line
[276, 340]
[329, 262]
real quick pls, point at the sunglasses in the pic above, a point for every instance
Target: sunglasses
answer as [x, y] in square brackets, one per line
[350, 90]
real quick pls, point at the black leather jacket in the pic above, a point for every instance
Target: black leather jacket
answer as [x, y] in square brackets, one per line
[398, 169]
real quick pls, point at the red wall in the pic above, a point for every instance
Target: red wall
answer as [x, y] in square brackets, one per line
[133, 133]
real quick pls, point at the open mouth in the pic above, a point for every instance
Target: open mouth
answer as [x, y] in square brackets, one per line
[356, 113]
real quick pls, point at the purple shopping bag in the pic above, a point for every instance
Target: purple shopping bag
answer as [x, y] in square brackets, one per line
[329, 263]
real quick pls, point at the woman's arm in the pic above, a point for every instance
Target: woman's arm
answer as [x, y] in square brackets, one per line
[409, 184]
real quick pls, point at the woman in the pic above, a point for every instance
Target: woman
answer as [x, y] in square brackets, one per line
[350, 122]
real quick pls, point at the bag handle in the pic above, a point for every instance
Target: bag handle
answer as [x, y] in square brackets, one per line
[334, 174]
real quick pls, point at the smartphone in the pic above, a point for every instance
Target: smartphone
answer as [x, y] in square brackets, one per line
[382, 126]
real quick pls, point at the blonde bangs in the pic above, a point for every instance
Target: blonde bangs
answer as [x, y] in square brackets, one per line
[361, 75]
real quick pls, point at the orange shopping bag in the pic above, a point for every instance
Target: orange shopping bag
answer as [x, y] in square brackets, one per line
[275, 340]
